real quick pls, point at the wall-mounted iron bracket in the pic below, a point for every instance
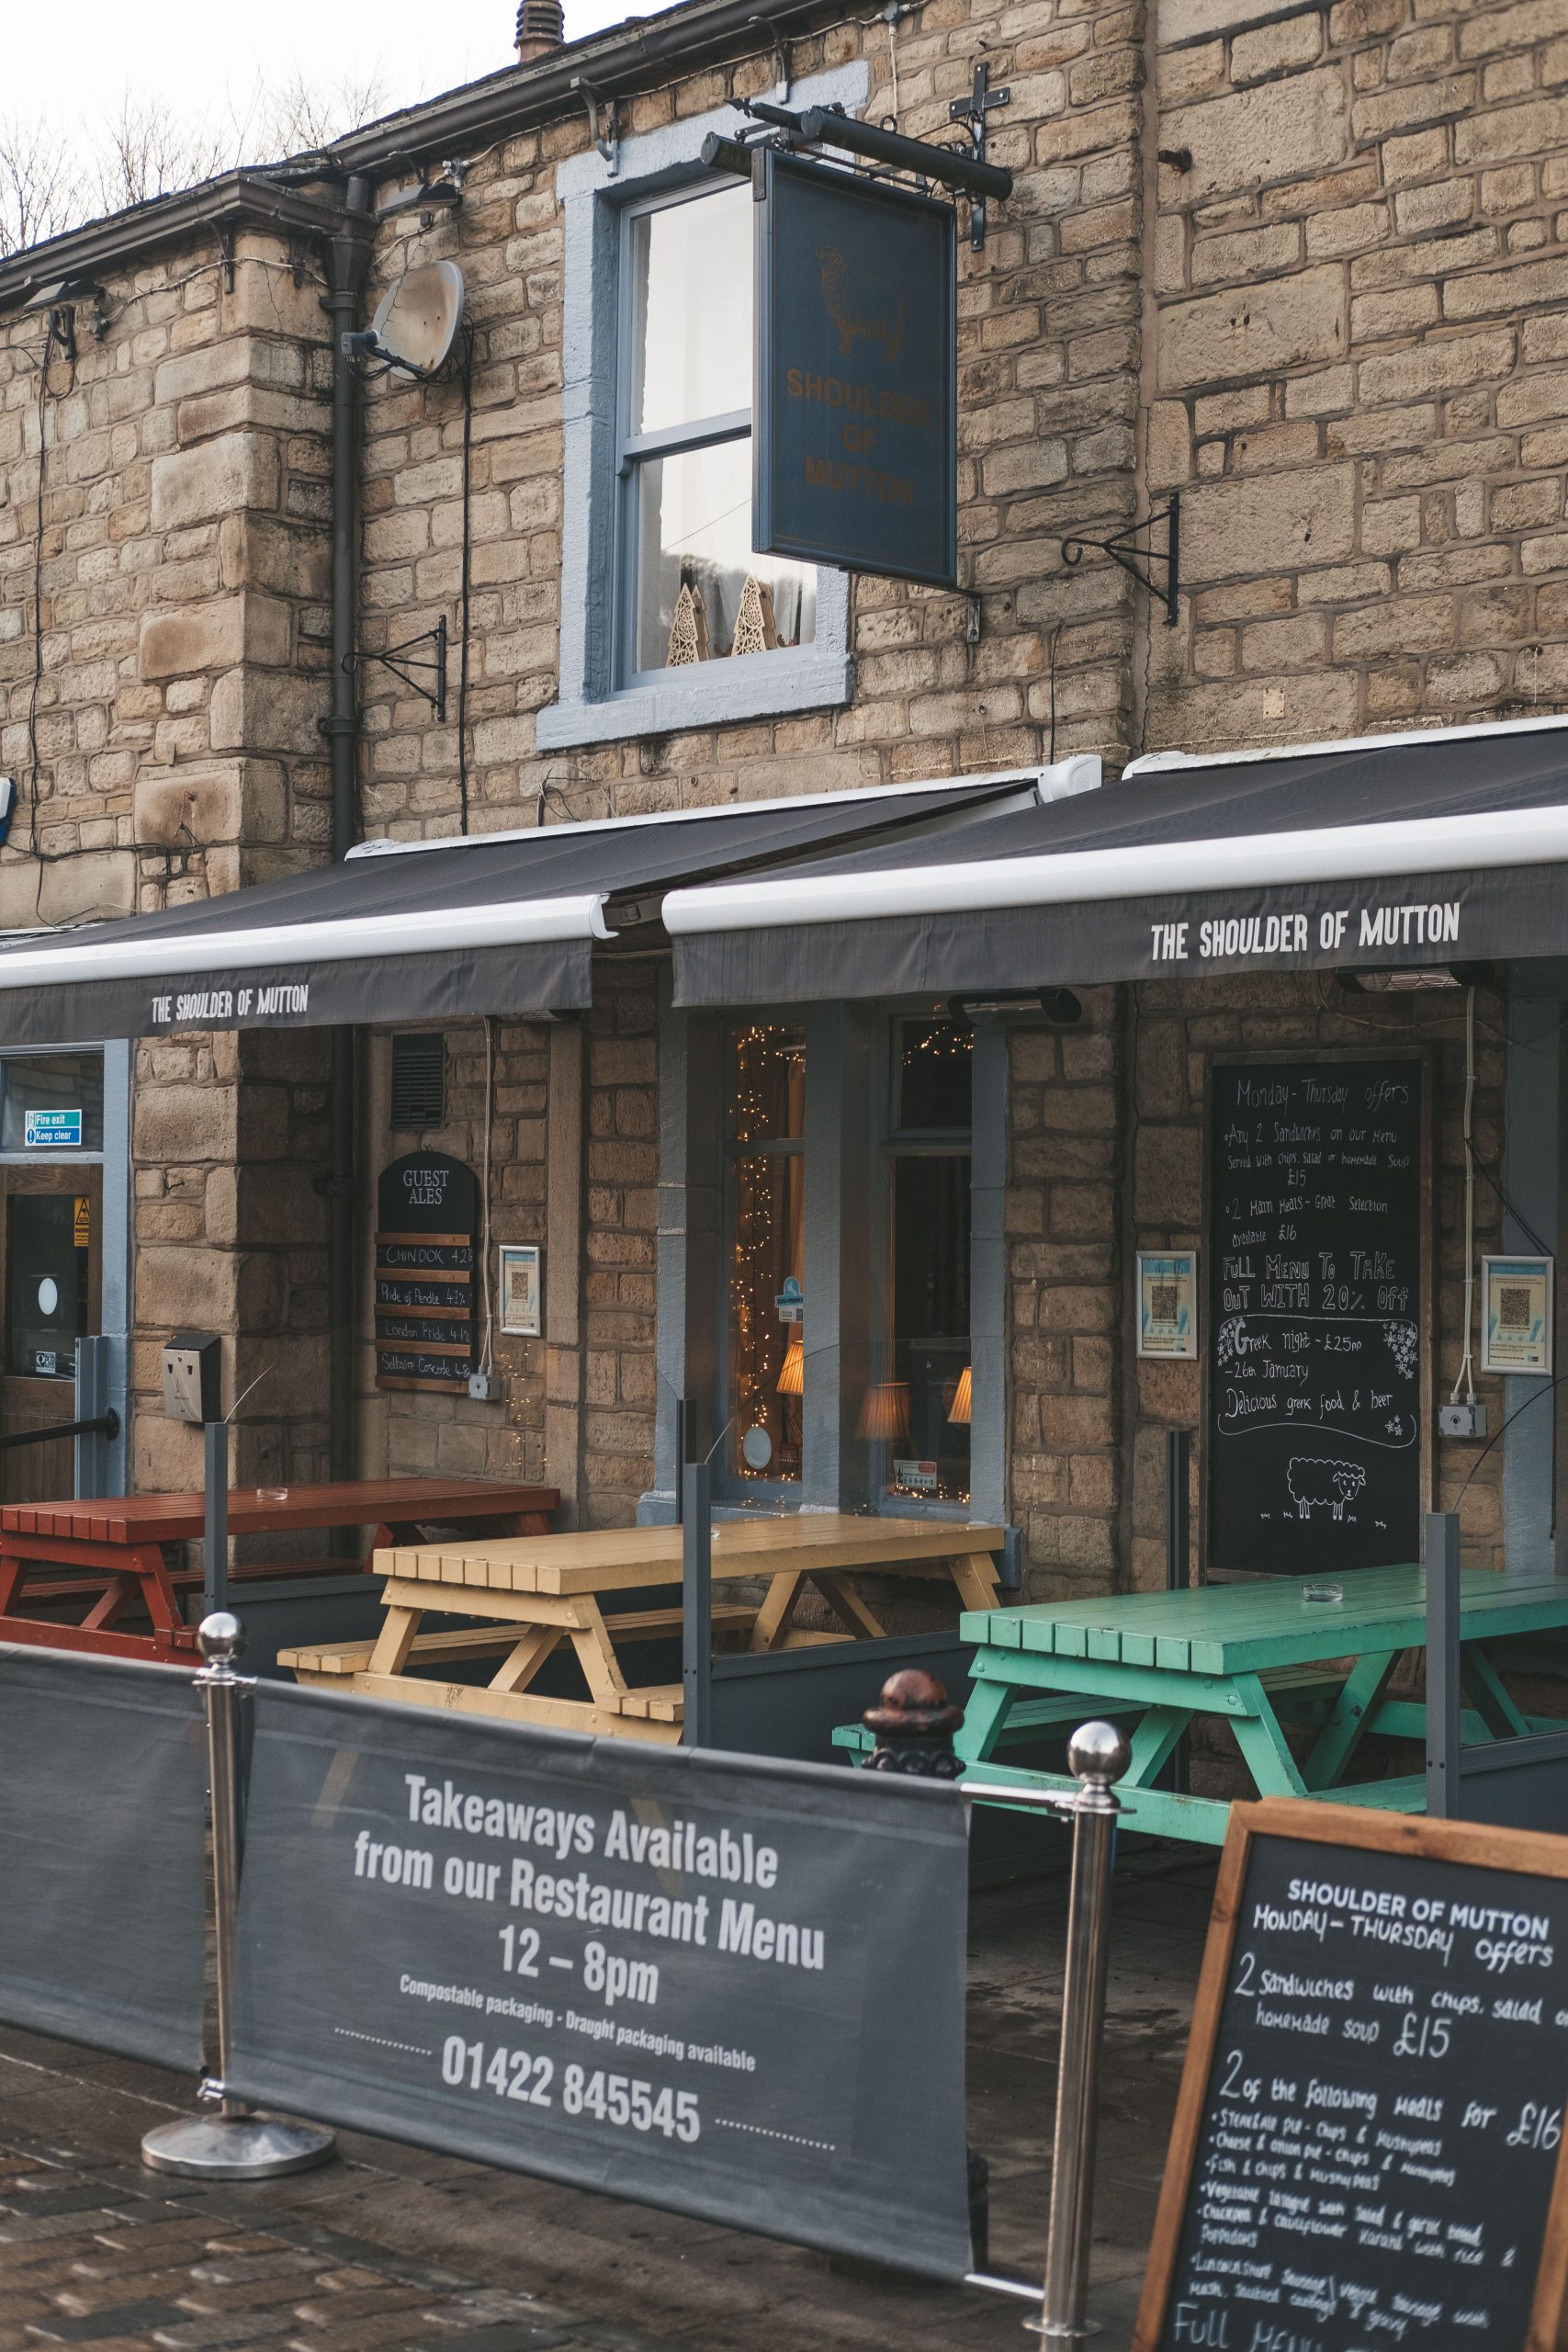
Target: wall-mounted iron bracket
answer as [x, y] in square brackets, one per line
[971, 112]
[606, 142]
[400, 660]
[1138, 562]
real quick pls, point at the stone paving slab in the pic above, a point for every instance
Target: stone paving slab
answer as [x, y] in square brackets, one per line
[394, 2249]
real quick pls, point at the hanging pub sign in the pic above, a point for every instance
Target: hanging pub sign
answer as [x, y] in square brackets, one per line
[426, 1217]
[855, 454]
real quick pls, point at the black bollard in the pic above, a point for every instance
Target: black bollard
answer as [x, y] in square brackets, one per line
[913, 1723]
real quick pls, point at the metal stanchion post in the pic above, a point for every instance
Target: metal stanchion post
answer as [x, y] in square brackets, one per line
[1098, 1755]
[234, 2144]
[215, 1521]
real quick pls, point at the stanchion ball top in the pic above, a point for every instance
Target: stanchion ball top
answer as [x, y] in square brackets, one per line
[222, 1636]
[1098, 1752]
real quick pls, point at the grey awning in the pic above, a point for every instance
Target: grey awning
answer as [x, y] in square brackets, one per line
[429, 930]
[1399, 851]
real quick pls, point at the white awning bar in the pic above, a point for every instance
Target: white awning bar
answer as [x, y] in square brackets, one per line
[510, 922]
[1153, 869]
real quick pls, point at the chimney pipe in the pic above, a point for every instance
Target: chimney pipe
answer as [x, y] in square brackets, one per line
[541, 27]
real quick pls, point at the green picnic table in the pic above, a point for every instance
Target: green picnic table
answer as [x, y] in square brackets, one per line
[1261, 1656]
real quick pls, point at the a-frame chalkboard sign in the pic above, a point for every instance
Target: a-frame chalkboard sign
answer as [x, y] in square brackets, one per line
[427, 1217]
[1368, 2148]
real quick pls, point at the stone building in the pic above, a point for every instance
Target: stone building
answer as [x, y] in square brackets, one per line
[1303, 262]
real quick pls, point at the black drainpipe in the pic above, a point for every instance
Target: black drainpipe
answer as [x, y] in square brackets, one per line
[348, 262]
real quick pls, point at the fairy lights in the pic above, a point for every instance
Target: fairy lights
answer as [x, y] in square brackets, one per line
[767, 1111]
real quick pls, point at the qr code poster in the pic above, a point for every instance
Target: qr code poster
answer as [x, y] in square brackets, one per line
[1167, 1304]
[1516, 1315]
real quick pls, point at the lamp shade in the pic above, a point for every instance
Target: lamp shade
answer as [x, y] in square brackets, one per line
[963, 1406]
[885, 1410]
[792, 1372]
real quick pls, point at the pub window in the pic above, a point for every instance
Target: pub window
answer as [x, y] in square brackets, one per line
[916, 1412]
[693, 589]
[765, 1255]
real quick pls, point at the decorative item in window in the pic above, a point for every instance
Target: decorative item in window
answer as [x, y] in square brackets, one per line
[756, 631]
[520, 1289]
[1516, 1315]
[884, 1411]
[963, 1406]
[689, 628]
[1168, 1303]
[767, 1177]
[792, 1379]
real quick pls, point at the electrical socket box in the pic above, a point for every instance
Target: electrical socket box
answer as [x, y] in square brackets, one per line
[193, 1378]
[482, 1386]
[1461, 1420]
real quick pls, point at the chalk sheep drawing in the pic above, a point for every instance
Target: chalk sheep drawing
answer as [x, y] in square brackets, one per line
[1316, 1484]
[857, 304]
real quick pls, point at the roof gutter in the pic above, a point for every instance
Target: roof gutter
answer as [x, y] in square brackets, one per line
[246, 198]
[631, 57]
[512, 922]
[1155, 869]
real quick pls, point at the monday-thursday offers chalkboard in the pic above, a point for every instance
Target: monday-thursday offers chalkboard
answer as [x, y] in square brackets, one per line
[1368, 2145]
[1314, 1316]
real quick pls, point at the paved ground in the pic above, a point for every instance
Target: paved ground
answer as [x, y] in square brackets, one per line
[396, 2248]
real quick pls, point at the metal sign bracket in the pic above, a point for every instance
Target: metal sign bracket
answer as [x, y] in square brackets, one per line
[971, 112]
[1138, 562]
[397, 658]
[606, 142]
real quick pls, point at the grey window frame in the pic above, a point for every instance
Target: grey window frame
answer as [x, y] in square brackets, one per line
[598, 702]
[633, 451]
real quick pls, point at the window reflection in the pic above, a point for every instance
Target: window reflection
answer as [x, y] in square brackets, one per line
[694, 535]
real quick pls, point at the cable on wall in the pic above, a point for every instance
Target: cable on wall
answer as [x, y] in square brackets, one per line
[466, 584]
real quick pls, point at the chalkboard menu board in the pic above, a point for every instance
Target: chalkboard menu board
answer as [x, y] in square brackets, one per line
[1313, 1330]
[1367, 2150]
[426, 1214]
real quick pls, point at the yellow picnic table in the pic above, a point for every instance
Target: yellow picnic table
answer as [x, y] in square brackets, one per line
[527, 1594]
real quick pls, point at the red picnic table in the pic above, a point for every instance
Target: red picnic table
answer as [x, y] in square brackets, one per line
[114, 1545]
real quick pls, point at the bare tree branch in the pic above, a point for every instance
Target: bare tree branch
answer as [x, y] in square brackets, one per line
[40, 185]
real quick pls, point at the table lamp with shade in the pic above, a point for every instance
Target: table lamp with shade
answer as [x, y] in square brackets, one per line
[792, 1372]
[884, 1411]
[963, 1406]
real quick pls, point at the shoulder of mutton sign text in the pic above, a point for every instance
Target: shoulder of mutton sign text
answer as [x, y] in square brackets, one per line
[1314, 1337]
[1367, 2145]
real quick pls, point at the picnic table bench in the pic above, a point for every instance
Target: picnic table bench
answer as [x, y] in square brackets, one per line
[1260, 1655]
[107, 1554]
[528, 1596]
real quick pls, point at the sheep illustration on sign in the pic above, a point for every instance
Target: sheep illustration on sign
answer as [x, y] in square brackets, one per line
[1317, 1485]
[858, 305]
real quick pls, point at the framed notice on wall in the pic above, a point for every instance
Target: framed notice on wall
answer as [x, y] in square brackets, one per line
[519, 1288]
[1368, 2147]
[1315, 1347]
[427, 1214]
[1516, 1315]
[1168, 1303]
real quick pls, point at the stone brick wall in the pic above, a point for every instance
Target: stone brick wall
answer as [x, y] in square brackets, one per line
[1049, 349]
[1357, 270]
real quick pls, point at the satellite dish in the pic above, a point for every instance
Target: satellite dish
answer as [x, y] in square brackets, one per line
[417, 321]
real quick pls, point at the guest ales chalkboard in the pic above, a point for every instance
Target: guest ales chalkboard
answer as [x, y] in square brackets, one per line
[426, 1212]
[1315, 1322]
[1368, 2146]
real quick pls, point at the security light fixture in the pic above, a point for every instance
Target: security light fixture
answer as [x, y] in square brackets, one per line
[1416, 979]
[1058, 1005]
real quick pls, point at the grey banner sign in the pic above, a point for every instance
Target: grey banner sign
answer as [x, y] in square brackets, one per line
[723, 1984]
[103, 1766]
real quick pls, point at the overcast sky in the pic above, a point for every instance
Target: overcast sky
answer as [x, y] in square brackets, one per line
[73, 66]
